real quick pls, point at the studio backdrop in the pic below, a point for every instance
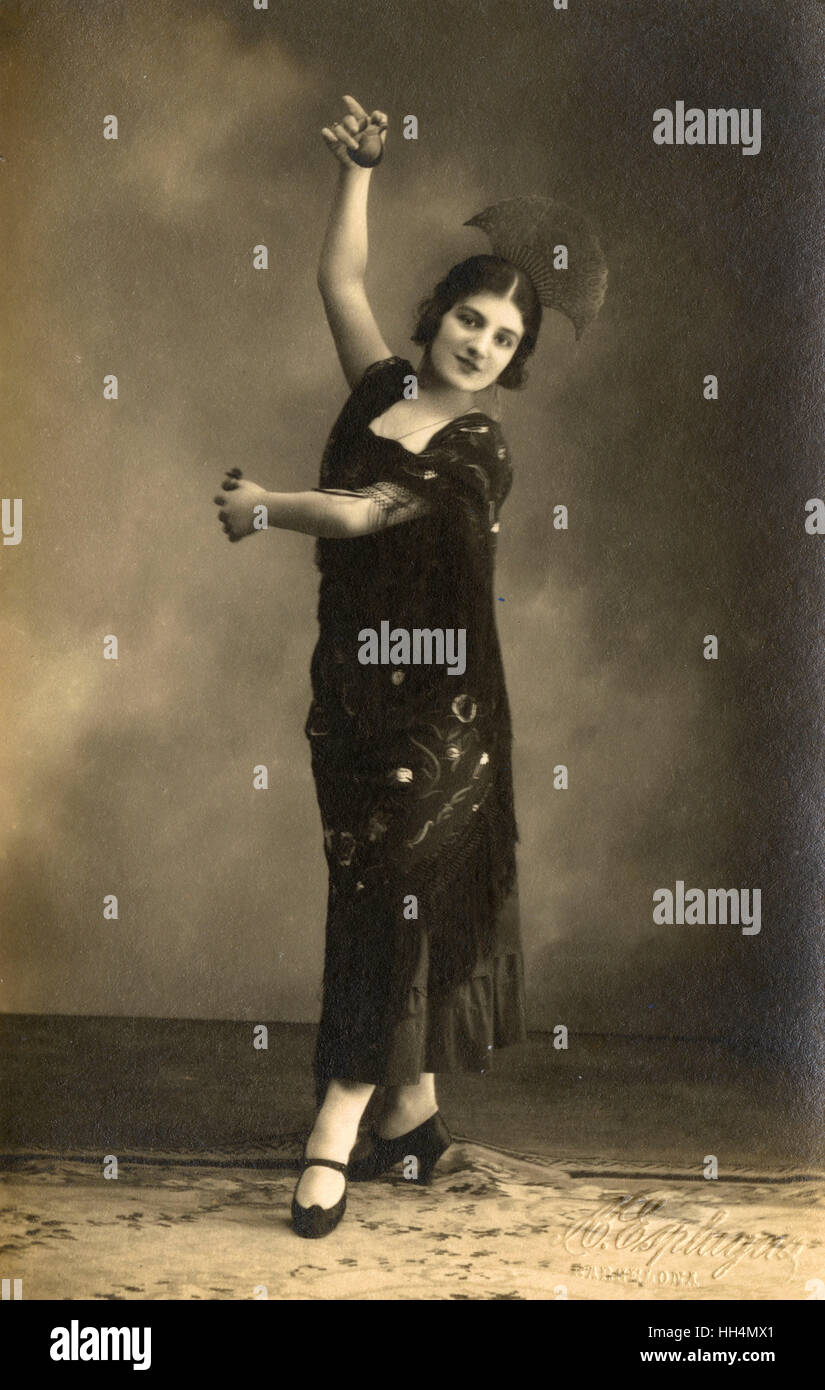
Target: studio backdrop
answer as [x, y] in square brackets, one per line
[649, 511]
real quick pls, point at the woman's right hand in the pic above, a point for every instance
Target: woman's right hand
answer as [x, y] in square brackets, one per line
[357, 138]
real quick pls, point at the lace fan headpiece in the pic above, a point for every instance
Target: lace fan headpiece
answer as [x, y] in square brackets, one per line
[526, 231]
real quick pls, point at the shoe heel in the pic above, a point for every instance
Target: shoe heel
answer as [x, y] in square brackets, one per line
[436, 1143]
[425, 1170]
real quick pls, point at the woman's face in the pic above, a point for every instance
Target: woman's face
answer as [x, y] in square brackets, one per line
[475, 340]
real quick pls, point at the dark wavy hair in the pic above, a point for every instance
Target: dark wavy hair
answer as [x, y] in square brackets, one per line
[494, 275]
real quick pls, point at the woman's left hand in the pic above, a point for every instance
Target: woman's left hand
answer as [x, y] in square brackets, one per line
[238, 509]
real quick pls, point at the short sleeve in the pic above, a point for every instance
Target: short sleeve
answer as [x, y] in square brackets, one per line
[382, 384]
[470, 462]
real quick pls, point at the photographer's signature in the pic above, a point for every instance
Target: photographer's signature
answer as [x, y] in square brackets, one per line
[624, 1223]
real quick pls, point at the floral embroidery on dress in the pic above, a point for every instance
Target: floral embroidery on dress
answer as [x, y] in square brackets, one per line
[401, 761]
[346, 847]
[464, 708]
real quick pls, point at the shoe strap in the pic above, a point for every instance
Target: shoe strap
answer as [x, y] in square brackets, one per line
[325, 1163]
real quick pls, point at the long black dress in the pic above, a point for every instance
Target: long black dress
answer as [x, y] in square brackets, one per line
[423, 966]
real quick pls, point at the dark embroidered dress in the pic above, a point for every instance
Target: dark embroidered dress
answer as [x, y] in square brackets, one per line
[412, 763]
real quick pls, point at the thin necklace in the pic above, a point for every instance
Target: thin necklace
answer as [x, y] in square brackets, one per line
[435, 422]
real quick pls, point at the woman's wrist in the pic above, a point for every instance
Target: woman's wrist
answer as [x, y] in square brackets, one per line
[351, 170]
[297, 511]
[284, 510]
[332, 516]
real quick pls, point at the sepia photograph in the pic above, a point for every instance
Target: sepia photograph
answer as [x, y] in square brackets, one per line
[413, 512]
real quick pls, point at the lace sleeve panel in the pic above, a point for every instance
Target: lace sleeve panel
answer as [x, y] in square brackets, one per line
[390, 503]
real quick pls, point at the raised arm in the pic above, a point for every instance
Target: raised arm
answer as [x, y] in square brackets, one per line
[342, 267]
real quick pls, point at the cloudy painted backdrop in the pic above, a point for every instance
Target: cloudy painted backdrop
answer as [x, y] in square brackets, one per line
[686, 516]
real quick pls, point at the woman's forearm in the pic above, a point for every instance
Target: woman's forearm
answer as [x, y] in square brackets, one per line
[332, 516]
[344, 252]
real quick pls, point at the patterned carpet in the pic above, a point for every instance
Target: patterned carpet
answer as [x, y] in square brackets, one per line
[495, 1225]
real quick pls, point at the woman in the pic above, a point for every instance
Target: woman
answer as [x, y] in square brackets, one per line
[409, 725]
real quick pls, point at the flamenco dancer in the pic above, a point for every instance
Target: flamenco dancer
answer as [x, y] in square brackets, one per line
[412, 762]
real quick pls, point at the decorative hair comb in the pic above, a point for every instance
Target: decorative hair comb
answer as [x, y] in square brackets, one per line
[526, 232]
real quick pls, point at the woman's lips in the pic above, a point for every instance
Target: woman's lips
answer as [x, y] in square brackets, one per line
[471, 366]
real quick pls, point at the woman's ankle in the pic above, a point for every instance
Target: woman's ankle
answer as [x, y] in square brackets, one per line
[404, 1115]
[335, 1130]
[331, 1139]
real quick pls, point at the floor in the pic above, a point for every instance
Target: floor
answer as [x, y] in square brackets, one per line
[575, 1173]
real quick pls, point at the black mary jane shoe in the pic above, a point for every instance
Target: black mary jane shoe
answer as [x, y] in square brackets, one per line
[314, 1222]
[426, 1144]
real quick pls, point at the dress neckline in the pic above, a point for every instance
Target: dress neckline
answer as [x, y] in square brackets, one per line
[468, 414]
